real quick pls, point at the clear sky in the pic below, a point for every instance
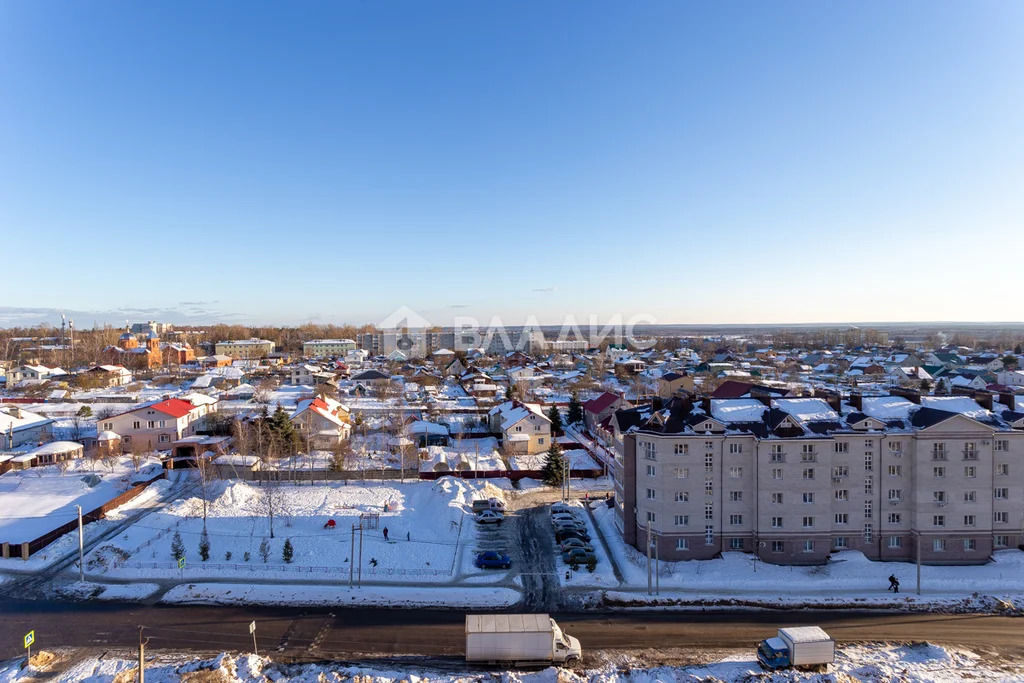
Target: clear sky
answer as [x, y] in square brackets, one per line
[332, 161]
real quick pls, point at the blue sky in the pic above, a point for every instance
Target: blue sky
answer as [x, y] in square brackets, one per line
[724, 162]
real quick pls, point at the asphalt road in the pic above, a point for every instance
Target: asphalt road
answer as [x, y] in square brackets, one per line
[299, 635]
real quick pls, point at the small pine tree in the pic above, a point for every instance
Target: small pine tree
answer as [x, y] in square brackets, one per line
[246, 556]
[925, 385]
[1018, 349]
[575, 415]
[85, 411]
[177, 546]
[204, 546]
[556, 421]
[265, 550]
[552, 470]
[287, 551]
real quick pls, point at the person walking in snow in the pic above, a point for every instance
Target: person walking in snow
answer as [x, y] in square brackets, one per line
[894, 584]
[385, 533]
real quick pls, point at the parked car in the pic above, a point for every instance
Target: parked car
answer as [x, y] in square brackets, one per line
[564, 524]
[564, 517]
[488, 504]
[561, 507]
[563, 534]
[575, 543]
[493, 560]
[578, 556]
[489, 517]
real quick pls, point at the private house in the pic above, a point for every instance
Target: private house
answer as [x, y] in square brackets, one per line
[371, 379]
[600, 408]
[157, 426]
[426, 434]
[177, 353]
[523, 427]
[110, 375]
[20, 427]
[33, 373]
[57, 451]
[671, 383]
[322, 422]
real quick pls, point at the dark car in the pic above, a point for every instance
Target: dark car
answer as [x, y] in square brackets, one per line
[493, 560]
[575, 543]
[562, 534]
[578, 556]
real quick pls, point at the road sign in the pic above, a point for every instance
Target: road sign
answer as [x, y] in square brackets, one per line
[181, 563]
[252, 627]
[30, 638]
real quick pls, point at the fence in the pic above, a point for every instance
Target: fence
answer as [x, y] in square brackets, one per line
[305, 475]
[514, 475]
[254, 567]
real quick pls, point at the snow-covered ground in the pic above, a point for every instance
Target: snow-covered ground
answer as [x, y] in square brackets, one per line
[849, 578]
[313, 595]
[429, 524]
[906, 663]
[38, 500]
[578, 458]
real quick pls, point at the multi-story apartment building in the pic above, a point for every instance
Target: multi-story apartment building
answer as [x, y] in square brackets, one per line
[245, 349]
[318, 348]
[794, 480]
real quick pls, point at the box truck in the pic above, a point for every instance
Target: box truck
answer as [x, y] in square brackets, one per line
[800, 646]
[519, 640]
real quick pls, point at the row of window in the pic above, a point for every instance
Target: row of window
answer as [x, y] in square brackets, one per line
[840, 518]
[808, 452]
[843, 542]
[839, 472]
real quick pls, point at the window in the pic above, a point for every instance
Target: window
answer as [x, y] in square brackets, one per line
[682, 497]
[1001, 493]
[842, 518]
[808, 522]
[651, 495]
[709, 535]
[649, 453]
[938, 472]
[681, 449]
[938, 451]
[808, 546]
[895, 470]
[126, 440]
[708, 445]
[682, 544]
[807, 453]
[867, 509]
[970, 471]
[1002, 445]
[735, 520]
[808, 497]
[778, 546]
[895, 495]
[841, 542]
[776, 522]
[869, 462]
[777, 454]
[736, 544]
[938, 520]
[842, 494]
[709, 462]
[651, 471]
[682, 520]
[841, 471]
[939, 545]
[735, 472]
[842, 447]
[540, 441]
[895, 518]
[808, 473]
[895, 542]
[108, 426]
[709, 486]
[651, 518]
[709, 511]
[968, 520]
[868, 485]
[164, 438]
[136, 425]
[682, 473]
[1001, 541]
[776, 473]
[970, 544]
[970, 496]
[1003, 469]
[970, 451]
[777, 498]
[735, 496]
[939, 497]
[868, 532]
[869, 444]
[896, 447]
[735, 448]
[1001, 517]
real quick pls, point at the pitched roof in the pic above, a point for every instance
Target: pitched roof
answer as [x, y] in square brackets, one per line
[601, 403]
[174, 407]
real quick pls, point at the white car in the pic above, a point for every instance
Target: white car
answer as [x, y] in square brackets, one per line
[489, 517]
[561, 507]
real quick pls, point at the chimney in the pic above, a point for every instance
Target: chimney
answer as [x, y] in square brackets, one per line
[15, 412]
[857, 400]
[1007, 399]
[705, 403]
[984, 399]
[909, 394]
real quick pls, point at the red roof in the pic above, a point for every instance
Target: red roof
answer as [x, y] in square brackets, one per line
[601, 403]
[732, 389]
[174, 407]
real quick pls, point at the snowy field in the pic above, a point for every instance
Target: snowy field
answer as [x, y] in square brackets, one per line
[578, 458]
[850, 578]
[906, 663]
[429, 523]
[38, 500]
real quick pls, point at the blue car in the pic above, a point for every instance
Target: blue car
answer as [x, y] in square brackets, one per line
[493, 560]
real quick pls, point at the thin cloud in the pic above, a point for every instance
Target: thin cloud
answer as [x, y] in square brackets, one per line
[546, 289]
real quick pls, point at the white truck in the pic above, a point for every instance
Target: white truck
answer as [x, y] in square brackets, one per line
[519, 640]
[798, 646]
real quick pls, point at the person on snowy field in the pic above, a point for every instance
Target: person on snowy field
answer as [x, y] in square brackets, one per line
[894, 584]
[385, 533]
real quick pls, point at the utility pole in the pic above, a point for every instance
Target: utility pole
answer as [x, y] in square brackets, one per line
[649, 558]
[81, 547]
[142, 656]
[352, 557]
[657, 567]
[252, 630]
[919, 562]
[360, 555]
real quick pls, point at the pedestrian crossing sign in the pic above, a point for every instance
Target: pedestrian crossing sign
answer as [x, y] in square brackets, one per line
[181, 563]
[30, 638]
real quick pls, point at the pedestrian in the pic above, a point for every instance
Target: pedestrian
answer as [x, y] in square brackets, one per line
[894, 585]
[408, 537]
[385, 533]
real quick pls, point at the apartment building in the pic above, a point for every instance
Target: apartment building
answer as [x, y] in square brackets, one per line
[245, 349]
[794, 480]
[321, 348]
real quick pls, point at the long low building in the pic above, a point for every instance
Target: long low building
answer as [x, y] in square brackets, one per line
[793, 480]
[245, 349]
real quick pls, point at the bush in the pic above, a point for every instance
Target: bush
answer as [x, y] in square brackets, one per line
[246, 556]
[592, 565]
[227, 556]
[265, 550]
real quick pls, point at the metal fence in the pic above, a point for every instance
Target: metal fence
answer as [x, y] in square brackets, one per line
[255, 567]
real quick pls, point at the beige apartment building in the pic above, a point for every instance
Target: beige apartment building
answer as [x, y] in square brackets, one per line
[245, 349]
[794, 480]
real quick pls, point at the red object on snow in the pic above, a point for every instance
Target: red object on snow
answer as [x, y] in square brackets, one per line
[330, 524]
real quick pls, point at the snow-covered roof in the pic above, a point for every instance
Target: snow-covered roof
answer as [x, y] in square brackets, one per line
[107, 435]
[27, 419]
[57, 447]
[965, 405]
[424, 427]
[807, 409]
[737, 409]
[887, 407]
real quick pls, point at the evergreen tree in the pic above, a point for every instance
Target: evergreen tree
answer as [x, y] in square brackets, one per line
[508, 393]
[287, 551]
[556, 421]
[940, 386]
[204, 546]
[265, 550]
[575, 415]
[1018, 349]
[552, 470]
[177, 546]
[925, 385]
